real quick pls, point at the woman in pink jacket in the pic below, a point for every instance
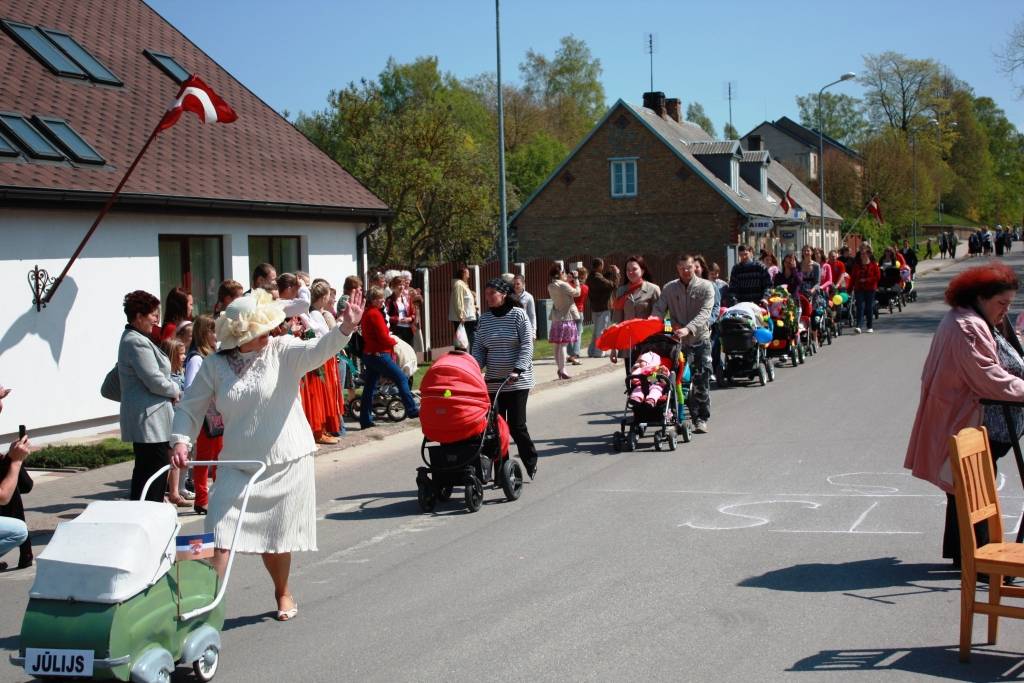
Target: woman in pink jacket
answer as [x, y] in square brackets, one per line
[962, 368]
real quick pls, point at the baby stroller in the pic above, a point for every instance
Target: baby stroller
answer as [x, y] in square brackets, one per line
[785, 315]
[745, 356]
[890, 289]
[386, 400]
[472, 439]
[808, 340]
[843, 314]
[823, 318]
[667, 417]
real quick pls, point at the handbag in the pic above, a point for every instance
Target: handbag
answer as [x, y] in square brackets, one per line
[111, 387]
[25, 482]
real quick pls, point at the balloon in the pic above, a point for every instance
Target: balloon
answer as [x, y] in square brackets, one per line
[837, 300]
[447, 393]
[844, 296]
[763, 335]
[781, 323]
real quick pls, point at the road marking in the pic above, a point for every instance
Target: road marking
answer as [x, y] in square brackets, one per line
[759, 521]
[863, 515]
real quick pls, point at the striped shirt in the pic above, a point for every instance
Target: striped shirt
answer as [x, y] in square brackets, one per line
[502, 345]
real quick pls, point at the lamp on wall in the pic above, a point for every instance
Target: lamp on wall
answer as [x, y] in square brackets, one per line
[40, 282]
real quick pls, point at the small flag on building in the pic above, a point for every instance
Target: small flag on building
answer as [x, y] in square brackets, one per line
[200, 99]
[875, 209]
[194, 547]
[787, 202]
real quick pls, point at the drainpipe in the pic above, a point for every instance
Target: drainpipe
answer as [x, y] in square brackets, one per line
[362, 248]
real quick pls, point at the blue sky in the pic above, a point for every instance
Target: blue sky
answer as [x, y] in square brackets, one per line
[293, 53]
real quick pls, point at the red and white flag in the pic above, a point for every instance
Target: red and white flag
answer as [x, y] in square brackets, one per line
[787, 202]
[875, 209]
[200, 99]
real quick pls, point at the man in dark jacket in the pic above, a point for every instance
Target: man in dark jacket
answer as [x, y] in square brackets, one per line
[601, 289]
[909, 256]
[749, 280]
[14, 481]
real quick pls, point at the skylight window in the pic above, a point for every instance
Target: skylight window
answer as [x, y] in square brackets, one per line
[28, 138]
[97, 72]
[42, 49]
[7, 149]
[61, 132]
[168, 65]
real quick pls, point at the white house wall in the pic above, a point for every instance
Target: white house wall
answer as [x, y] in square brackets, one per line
[55, 360]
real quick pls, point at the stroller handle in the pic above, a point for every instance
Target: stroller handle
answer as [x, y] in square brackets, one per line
[260, 467]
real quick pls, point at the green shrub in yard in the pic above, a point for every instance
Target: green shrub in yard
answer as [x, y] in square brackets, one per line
[90, 456]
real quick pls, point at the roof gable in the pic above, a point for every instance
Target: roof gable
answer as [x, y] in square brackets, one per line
[259, 160]
[809, 136]
[783, 180]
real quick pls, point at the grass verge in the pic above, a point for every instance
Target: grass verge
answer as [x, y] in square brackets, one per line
[89, 456]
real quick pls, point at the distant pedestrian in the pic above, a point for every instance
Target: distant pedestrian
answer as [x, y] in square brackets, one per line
[928, 250]
[526, 300]
[601, 290]
[968, 361]
[864, 279]
[564, 314]
[462, 304]
[577, 278]
[943, 245]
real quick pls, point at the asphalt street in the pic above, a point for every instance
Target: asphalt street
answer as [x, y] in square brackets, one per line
[786, 544]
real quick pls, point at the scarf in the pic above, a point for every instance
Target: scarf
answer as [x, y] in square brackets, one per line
[620, 302]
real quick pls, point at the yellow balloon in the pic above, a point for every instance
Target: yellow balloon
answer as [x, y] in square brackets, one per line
[447, 393]
[781, 323]
[837, 300]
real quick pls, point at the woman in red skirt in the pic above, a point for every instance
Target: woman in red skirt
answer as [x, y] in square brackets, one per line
[210, 440]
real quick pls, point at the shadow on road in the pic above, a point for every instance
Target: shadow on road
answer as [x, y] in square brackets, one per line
[941, 662]
[594, 445]
[250, 620]
[368, 509]
[881, 572]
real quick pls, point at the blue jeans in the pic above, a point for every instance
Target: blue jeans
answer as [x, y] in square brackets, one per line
[699, 400]
[865, 305]
[375, 365]
[601, 321]
[13, 533]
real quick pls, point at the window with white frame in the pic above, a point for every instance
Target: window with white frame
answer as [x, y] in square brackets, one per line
[623, 177]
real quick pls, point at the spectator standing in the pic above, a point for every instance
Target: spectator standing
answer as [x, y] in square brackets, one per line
[635, 298]
[526, 301]
[600, 294]
[909, 256]
[211, 434]
[462, 305]
[13, 482]
[402, 313]
[264, 276]
[928, 253]
[688, 301]
[177, 493]
[228, 291]
[147, 394]
[504, 349]
[964, 365]
[864, 279]
[564, 314]
[177, 310]
[749, 279]
[577, 278]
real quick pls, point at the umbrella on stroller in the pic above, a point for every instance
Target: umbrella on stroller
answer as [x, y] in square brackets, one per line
[625, 334]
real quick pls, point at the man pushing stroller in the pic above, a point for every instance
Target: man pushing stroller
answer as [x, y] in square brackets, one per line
[688, 300]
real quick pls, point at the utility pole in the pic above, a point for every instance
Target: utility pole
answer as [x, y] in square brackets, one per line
[650, 52]
[503, 237]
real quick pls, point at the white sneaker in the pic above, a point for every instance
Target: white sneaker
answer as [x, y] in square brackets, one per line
[856, 330]
[700, 427]
[871, 330]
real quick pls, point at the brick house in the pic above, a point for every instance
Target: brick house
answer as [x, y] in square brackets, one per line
[644, 180]
[796, 147]
[84, 83]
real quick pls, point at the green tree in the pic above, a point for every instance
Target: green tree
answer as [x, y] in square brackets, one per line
[695, 114]
[1003, 202]
[531, 163]
[900, 91]
[969, 161]
[567, 86]
[842, 116]
[729, 131]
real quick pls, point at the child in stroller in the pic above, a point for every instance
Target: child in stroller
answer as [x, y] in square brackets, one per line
[649, 379]
[745, 331]
[666, 417]
[785, 314]
[890, 289]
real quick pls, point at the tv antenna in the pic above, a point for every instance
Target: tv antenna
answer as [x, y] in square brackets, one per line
[649, 39]
[729, 92]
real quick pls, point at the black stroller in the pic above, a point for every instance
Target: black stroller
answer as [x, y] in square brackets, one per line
[744, 356]
[890, 289]
[667, 418]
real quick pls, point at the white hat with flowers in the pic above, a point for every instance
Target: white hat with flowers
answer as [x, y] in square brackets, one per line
[248, 317]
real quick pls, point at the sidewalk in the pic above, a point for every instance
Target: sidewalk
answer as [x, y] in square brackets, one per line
[61, 496]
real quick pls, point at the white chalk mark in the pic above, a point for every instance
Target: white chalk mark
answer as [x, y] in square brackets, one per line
[758, 520]
[844, 531]
[866, 489]
[862, 516]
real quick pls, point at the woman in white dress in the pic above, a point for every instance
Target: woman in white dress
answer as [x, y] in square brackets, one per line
[254, 380]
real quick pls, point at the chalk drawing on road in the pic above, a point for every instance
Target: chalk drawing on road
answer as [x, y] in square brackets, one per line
[729, 510]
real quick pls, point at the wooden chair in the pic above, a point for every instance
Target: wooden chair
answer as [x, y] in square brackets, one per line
[977, 501]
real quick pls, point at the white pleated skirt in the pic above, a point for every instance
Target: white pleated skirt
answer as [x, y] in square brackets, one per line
[280, 516]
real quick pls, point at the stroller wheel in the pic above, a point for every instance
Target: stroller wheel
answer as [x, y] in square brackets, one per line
[396, 410]
[511, 479]
[684, 431]
[631, 441]
[474, 493]
[205, 668]
[657, 442]
[762, 376]
[671, 440]
[769, 367]
[380, 406]
[356, 406]
[793, 357]
[444, 493]
[425, 497]
[617, 441]
[800, 355]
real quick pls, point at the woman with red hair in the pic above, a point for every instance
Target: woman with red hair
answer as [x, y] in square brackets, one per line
[968, 361]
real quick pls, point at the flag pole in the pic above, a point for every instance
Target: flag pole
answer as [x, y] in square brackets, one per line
[103, 212]
[859, 216]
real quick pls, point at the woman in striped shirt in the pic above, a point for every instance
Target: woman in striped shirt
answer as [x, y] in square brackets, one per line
[504, 346]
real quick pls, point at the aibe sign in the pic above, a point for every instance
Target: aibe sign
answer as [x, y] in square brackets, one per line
[760, 225]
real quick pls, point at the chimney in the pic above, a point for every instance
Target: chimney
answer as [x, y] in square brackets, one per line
[672, 106]
[655, 101]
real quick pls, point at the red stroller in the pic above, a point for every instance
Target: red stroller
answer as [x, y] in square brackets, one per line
[472, 439]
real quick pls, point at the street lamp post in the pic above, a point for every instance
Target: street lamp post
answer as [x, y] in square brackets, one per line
[503, 236]
[821, 151]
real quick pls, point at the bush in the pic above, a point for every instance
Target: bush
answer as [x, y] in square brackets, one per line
[90, 456]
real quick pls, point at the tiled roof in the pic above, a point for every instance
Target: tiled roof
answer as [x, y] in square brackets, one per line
[781, 178]
[809, 136]
[759, 156]
[714, 148]
[260, 161]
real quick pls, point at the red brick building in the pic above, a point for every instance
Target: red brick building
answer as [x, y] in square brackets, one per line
[644, 180]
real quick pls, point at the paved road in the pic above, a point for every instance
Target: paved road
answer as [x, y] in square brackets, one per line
[787, 544]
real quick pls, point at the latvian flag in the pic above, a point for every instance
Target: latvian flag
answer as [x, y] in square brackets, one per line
[875, 209]
[194, 547]
[198, 98]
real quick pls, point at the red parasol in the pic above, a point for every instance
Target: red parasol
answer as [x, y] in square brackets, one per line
[625, 334]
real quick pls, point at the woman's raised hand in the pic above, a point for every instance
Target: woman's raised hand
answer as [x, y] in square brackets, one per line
[353, 313]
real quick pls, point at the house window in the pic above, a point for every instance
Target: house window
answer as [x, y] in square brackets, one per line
[764, 182]
[754, 142]
[623, 177]
[42, 49]
[196, 264]
[7, 149]
[734, 174]
[97, 72]
[28, 138]
[812, 165]
[61, 132]
[168, 65]
[282, 252]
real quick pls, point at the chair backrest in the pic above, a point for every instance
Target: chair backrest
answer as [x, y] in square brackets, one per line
[974, 485]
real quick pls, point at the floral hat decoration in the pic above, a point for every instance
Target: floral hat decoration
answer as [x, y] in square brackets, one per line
[248, 317]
